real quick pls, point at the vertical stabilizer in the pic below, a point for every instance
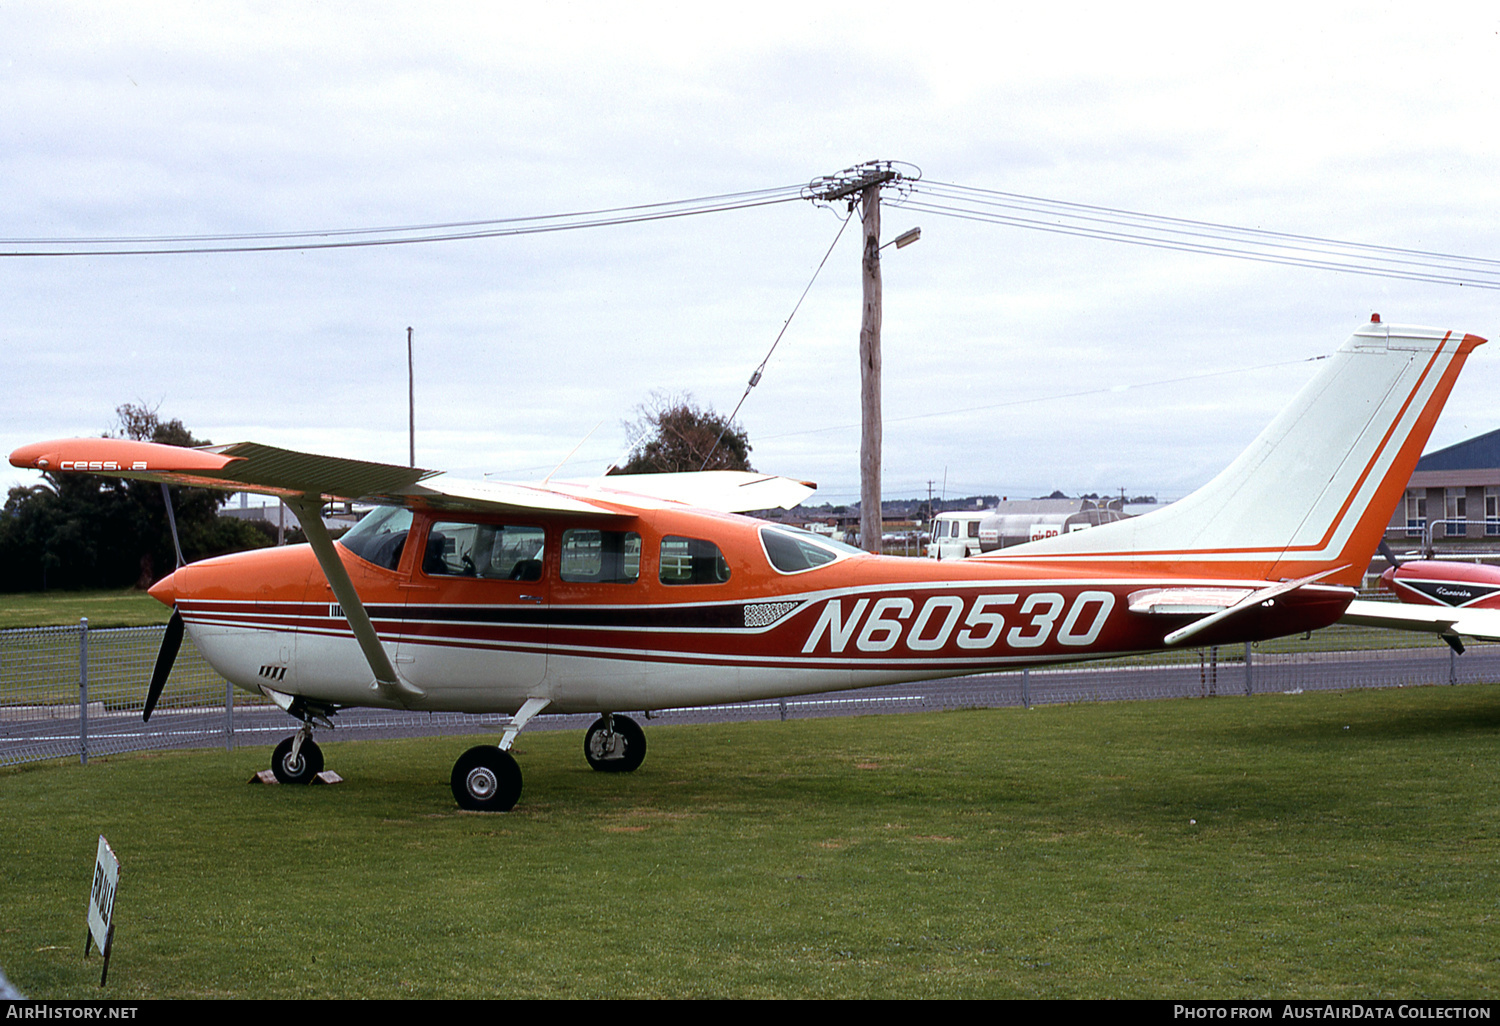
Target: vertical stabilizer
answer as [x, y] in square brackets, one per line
[1315, 491]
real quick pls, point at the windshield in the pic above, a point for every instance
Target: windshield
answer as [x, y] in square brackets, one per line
[380, 537]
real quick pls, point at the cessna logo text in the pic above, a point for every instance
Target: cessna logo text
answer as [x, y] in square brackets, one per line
[877, 625]
[100, 465]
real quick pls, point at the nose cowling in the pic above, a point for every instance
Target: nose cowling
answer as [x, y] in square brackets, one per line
[165, 590]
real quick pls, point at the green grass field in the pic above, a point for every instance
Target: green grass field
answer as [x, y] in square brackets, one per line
[127, 608]
[1333, 845]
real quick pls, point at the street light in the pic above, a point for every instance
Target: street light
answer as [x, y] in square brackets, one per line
[904, 239]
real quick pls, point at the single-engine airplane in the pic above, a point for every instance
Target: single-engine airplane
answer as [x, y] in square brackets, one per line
[648, 592]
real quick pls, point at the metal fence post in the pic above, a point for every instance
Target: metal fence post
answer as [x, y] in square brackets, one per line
[228, 716]
[1452, 665]
[1026, 688]
[83, 691]
[1249, 672]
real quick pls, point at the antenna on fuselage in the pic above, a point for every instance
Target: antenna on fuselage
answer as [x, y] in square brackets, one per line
[569, 456]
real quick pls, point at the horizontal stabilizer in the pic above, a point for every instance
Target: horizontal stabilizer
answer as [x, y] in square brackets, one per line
[1261, 596]
[1481, 624]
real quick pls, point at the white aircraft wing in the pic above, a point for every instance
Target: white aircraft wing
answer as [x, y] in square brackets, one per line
[266, 469]
[1481, 624]
[727, 491]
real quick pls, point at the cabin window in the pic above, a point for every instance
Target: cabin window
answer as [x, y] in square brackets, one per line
[692, 561]
[792, 552]
[601, 557]
[497, 552]
[380, 537]
[973, 529]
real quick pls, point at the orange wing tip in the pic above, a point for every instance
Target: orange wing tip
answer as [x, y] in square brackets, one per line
[115, 455]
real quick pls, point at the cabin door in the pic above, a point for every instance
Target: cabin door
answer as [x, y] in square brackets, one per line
[474, 635]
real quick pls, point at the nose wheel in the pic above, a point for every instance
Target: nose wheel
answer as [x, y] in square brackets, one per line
[614, 744]
[297, 763]
[486, 779]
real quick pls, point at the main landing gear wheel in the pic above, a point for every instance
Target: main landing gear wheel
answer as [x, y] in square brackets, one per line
[302, 769]
[614, 744]
[486, 779]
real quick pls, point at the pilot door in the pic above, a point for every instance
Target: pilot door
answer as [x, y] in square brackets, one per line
[474, 634]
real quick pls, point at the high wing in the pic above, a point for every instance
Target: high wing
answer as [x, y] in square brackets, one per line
[306, 480]
[727, 491]
[268, 470]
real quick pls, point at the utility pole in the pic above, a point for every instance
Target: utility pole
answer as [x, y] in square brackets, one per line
[871, 433]
[862, 184]
[411, 401]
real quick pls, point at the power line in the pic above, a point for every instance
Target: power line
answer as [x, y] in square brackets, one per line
[1206, 237]
[393, 235]
[1018, 210]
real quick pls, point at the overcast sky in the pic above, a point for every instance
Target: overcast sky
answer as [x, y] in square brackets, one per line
[1016, 361]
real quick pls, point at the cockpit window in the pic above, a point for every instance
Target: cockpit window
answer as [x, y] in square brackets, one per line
[380, 537]
[496, 552]
[793, 552]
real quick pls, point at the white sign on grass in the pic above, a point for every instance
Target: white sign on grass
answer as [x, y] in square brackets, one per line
[102, 902]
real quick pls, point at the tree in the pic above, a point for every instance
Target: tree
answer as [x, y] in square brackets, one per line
[671, 434]
[82, 531]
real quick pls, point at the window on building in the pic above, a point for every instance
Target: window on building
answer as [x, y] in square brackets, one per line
[1455, 512]
[1416, 511]
[1492, 510]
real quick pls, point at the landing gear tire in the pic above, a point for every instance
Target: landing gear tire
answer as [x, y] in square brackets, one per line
[486, 779]
[301, 770]
[617, 747]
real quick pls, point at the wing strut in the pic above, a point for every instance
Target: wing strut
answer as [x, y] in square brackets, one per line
[309, 510]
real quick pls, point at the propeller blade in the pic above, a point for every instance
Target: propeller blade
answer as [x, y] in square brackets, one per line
[170, 643]
[1390, 557]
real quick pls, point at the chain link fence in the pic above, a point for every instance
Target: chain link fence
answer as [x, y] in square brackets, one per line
[76, 692]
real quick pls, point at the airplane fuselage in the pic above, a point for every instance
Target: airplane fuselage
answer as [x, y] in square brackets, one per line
[694, 611]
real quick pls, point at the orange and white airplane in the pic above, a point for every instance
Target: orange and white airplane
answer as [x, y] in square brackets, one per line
[648, 592]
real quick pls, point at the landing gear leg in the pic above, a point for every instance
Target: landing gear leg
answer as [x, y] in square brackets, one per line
[614, 744]
[486, 777]
[297, 759]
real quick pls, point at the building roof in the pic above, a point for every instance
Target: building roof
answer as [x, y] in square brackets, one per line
[1479, 453]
